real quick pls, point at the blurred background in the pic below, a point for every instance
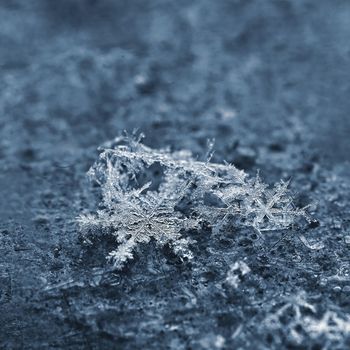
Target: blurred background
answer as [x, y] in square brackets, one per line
[76, 72]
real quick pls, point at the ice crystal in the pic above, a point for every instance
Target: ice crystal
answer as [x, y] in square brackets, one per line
[136, 211]
[236, 272]
[331, 325]
[298, 319]
[138, 215]
[291, 310]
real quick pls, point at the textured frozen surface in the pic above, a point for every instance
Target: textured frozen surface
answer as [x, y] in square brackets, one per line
[269, 80]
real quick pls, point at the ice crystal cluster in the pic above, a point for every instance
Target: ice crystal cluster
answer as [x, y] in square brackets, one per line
[301, 319]
[135, 210]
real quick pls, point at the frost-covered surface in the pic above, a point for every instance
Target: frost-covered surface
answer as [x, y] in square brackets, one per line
[269, 80]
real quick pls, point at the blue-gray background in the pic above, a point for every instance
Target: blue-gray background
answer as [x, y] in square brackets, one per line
[269, 80]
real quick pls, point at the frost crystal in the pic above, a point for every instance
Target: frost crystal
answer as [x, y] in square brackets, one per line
[331, 325]
[136, 211]
[298, 319]
[234, 275]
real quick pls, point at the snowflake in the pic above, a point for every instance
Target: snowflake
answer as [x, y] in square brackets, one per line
[136, 213]
[258, 206]
[298, 319]
[136, 216]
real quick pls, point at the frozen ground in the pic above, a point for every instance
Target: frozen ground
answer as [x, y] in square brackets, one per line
[269, 80]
